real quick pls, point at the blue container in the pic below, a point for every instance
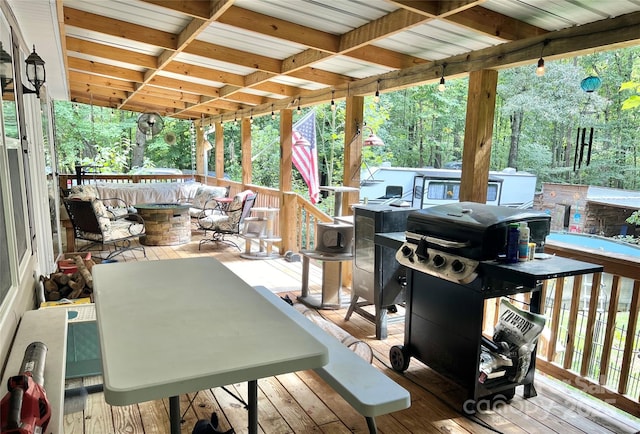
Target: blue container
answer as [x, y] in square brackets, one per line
[513, 237]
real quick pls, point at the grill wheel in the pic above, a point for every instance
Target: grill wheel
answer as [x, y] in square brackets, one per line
[399, 358]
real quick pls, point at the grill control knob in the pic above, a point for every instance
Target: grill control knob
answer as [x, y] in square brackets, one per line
[439, 261]
[457, 266]
[422, 251]
[406, 251]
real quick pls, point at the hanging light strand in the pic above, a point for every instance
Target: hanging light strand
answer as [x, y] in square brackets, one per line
[540, 70]
[376, 97]
[442, 86]
[333, 102]
[192, 130]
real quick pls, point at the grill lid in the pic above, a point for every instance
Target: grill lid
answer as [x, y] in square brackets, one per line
[474, 230]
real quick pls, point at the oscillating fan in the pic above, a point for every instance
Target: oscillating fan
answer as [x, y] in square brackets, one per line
[150, 124]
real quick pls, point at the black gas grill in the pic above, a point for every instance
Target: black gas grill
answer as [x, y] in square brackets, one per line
[452, 256]
[450, 241]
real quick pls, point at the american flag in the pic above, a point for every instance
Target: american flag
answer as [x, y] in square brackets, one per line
[305, 153]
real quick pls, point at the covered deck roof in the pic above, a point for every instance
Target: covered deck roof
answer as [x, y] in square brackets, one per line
[235, 58]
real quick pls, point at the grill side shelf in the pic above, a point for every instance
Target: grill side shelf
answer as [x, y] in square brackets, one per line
[531, 273]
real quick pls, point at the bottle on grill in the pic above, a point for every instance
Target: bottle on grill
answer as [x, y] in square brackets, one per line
[523, 242]
[513, 237]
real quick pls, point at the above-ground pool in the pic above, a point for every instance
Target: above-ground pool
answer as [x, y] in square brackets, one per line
[595, 243]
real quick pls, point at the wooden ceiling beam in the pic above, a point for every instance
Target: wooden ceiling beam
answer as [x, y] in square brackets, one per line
[141, 98]
[135, 107]
[97, 80]
[495, 24]
[394, 22]
[194, 8]
[80, 88]
[303, 60]
[198, 110]
[248, 98]
[383, 57]
[321, 76]
[281, 29]
[255, 78]
[103, 69]
[95, 49]
[436, 8]
[470, 14]
[226, 105]
[184, 86]
[204, 73]
[175, 95]
[278, 89]
[95, 100]
[238, 57]
[120, 29]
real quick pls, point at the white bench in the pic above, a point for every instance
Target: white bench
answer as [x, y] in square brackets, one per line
[48, 326]
[369, 391]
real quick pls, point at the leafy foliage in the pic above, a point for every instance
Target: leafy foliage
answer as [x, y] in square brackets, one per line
[536, 128]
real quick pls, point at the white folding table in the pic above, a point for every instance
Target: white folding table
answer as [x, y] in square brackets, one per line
[170, 327]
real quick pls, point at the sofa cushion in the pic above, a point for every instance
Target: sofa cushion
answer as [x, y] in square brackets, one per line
[205, 193]
[103, 215]
[83, 192]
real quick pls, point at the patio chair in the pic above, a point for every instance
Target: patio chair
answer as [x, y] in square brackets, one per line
[228, 221]
[92, 222]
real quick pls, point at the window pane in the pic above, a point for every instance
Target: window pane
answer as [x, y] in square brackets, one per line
[435, 190]
[492, 192]
[5, 272]
[18, 207]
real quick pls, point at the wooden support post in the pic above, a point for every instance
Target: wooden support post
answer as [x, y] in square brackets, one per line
[288, 216]
[245, 143]
[352, 150]
[286, 143]
[219, 150]
[287, 200]
[478, 133]
[200, 152]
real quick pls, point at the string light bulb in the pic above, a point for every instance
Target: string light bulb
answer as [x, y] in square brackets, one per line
[376, 97]
[273, 114]
[540, 68]
[442, 86]
[235, 118]
[333, 103]
[299, 110]
[251, 116]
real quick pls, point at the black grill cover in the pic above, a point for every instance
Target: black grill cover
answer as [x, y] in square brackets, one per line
[482, 227]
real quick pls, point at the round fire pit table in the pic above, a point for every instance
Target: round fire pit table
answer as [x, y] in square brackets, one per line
[165, 224]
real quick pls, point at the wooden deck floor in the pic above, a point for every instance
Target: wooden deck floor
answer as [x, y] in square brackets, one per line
[302, 403]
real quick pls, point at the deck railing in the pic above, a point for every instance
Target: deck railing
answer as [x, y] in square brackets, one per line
[592, 335]
[301, 216]
[591, 341]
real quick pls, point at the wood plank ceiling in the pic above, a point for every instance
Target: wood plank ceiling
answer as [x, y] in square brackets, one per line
[223, 59]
